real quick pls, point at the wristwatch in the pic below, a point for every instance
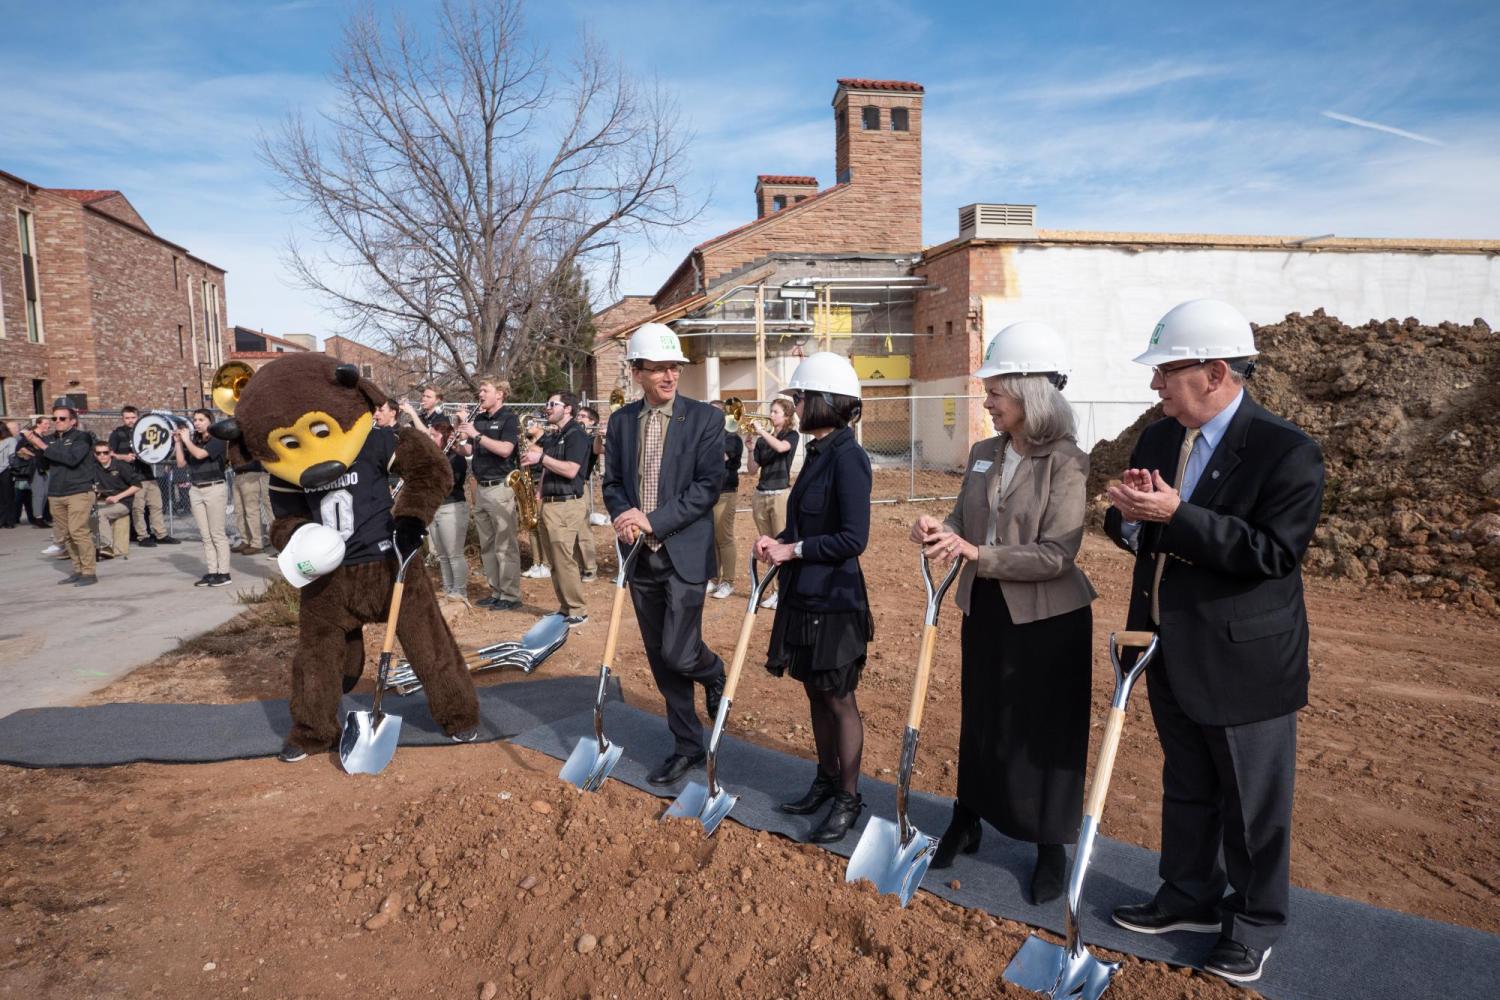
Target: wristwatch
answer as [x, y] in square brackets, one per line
[797, 551]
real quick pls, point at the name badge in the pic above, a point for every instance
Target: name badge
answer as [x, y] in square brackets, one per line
[982, 465]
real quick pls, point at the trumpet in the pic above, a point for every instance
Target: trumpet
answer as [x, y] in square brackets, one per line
[735, 415]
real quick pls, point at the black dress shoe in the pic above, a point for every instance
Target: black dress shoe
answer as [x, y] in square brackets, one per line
[1236, 962]
[70, 578]
[840, 818]
[713, 693]
[963, 834]
[1047, 877]
[674, 767]
[1149, 918]
[147, 543]
[822, 790]
[486, 602]
[168, 540]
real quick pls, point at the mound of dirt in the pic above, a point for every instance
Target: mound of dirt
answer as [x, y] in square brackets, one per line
[1409, 420]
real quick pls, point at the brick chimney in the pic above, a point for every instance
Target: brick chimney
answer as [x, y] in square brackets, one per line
[878, 148]
[773, 192]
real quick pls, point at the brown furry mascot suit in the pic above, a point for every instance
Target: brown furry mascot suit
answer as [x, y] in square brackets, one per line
[307, 420]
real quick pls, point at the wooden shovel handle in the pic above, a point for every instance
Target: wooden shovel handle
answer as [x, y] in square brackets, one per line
[613, 636]
[1106, 765]
[741, 648]
[390, 619]
[1133, 640]
[924, 673]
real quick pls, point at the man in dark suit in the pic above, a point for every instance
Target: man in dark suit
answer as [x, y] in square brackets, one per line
[664, 463]
[1219, 505]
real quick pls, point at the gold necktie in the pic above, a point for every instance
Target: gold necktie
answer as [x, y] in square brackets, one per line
[1161, 557]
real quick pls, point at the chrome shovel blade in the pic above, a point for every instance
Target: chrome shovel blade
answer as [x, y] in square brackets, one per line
[880, 858]
[1047, 968]
[546, 635]
[368, 744]
[587, 766]
[695, 802]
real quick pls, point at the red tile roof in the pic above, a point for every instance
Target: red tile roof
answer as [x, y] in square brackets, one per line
[857, 83]
[84, 196]
[787, 179]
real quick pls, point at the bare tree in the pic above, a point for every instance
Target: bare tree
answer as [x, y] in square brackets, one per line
[456, 185]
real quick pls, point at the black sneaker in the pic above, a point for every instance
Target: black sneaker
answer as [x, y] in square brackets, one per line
[1236, 962]
[168, 540]
[576, 620]
[70, 578]
[1149, 918]
[87, 580]
[466, 736]
[291, 753]
[221, 580]
[147, 543]
[505, 605]
[206, 580]
[487, 602]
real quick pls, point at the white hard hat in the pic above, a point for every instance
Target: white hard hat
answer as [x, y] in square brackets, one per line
[313, 549]
[825, 372]
[1025, 348]
[1201, 329]
[654, 342]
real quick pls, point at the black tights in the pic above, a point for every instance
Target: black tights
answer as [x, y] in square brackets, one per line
[839, 735]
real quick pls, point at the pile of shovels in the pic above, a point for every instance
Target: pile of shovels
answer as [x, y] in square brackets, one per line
[540, 641]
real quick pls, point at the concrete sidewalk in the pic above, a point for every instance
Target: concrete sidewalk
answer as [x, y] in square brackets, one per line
[58, 644]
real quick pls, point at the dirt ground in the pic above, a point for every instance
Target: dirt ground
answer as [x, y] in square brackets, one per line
[258, 879]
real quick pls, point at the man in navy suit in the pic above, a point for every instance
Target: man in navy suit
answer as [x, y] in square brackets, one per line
[664, 463]
[1219, 505]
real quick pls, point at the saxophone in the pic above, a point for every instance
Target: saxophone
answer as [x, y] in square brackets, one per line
[526, 506]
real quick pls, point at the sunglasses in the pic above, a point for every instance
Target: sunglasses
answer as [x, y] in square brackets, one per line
[549, 404]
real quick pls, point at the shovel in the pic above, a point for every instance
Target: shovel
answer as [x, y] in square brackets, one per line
[709, 803]
[369, 740]
[895, 856]
[589, 764]
[1069, 970]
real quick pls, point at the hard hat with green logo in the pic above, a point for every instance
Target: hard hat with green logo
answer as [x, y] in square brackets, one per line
[1200, 330]
[654, 342]
[1027, 347]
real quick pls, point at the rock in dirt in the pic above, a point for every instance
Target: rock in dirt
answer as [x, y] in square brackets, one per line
[378, 921]
[541, 808]
[487, 990]
[526, 884]
[587, 943]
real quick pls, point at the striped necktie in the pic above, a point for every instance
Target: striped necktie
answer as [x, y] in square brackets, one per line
[1188, 440]
[651, 470]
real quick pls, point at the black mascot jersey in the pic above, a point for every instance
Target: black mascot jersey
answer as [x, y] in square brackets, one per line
[357, 504]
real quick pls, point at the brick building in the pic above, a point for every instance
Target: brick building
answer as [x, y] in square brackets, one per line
[98, 308]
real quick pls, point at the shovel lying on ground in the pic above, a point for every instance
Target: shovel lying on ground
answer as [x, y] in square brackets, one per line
[369, 739]
[540, 641]
[589, 764]
[895, 856]
[1069, 970]
[709, 803]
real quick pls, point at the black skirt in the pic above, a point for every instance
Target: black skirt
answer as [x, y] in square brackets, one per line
[823, 649]
[1024, 736]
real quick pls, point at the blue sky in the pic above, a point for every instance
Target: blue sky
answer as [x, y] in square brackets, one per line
[1108, 116]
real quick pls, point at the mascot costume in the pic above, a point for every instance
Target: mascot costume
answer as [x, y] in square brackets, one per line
[306, 419]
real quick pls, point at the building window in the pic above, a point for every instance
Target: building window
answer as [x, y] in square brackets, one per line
[38, 396]
[841, 120]
[181, 343]
[185, 404]
[900, 120]
[929, 331]
[213, 350]
[948, 328]
[30, 292]
[778, 203]
[4, 404]
[869, 118]
[368, 371]
[176, 269]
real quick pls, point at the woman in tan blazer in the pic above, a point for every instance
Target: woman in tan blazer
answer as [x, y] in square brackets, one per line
[1027, 629]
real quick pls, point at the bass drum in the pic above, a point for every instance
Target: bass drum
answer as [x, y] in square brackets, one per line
[152, 437]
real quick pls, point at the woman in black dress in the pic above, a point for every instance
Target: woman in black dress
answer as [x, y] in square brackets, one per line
[1027, 629]
[823, 621]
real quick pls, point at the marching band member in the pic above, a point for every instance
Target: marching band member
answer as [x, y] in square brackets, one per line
[450, 524]
[823, 624]
[147, 511]
[729, 494]
[771, 454]
[493, 435]
[1027, 628]
[562, 456]
[202, 455]
[115, 482]
[663, 462]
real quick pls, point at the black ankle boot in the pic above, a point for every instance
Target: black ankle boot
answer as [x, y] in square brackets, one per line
[840, 818]
[962, 835]
[822, 790]
[1047, 877]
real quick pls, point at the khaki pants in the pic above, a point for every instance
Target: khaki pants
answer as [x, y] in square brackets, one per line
[769, 512]
[145, 506]
[724, 535]
[71, 513]
[207, 504]
[114, 528]
[563, 521]
[450, 526]
[252, 496]
[499, 552]
[588, 556]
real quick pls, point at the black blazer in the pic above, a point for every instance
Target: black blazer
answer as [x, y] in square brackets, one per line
[828, 511]
[692, 468]
[1233, 623]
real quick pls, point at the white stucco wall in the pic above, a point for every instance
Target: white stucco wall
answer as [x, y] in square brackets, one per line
[1107, 299]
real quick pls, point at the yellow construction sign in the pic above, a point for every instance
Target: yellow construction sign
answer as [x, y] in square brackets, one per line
[895, 367]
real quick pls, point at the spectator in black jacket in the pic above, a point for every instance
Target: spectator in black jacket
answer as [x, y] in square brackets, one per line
[9, 515]
[69, 464]
[823, 621]
[115, 483]
[734, 452]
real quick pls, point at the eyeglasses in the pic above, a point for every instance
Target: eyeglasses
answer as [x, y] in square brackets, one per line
[668, 367]
[549, 404]
[1162, 371]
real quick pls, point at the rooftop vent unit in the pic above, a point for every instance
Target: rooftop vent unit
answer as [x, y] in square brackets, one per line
[997, 222]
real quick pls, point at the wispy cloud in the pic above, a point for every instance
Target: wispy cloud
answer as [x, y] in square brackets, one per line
[1391, 129]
